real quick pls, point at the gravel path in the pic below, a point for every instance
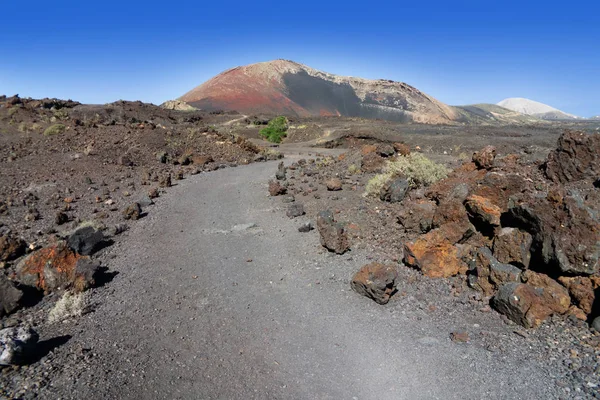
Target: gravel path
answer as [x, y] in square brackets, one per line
[207, 305]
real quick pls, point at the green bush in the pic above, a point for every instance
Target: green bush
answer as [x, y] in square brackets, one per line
[415, 167]
[276, 130]
[56, 129]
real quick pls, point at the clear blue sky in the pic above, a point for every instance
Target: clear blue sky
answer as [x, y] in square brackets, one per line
[460, 52]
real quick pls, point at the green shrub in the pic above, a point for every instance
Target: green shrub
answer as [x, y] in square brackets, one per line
[56, 129]
[276, 130]
[415, 167]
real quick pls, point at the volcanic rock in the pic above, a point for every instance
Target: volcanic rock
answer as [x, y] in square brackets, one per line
[484, 159]
[376, 281]
[276, 189]
[295, 210]
[17, 345]
[577, 157]
[513, 246]
[133, 211]
[10, 296]
[333, 184]
[491, 274]
[87, 240]
[394, 191]
[434, 255]
[333, 234]
[11, 247]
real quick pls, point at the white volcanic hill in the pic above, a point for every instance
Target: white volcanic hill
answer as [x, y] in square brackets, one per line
[535, 108]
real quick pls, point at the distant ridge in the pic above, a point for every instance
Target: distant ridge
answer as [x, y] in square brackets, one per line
[536, 109]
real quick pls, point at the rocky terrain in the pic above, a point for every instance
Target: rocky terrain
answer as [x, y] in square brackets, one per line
[511, 234]
[488, 255]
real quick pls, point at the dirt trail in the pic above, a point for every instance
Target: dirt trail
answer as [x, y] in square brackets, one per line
[208, 306]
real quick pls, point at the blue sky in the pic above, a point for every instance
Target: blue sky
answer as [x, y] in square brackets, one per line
[460, 52]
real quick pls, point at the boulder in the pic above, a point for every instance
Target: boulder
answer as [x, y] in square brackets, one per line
[202, 160]
[17, 345]
[483, 212]
[334, 184]
[394, 191]
[56, 267]
[376, 281]
[581, 290]
[87, 241]
[11, 247]
[133, 211]
[295, 210]
[566, 234]
[333, 234]
[276, 189]
[513, 246]
[484, 159]
[576, 157]
[434, 255]
[555, 295]
[417, 217]
[527, 305]
[10, 296]
[491, 273]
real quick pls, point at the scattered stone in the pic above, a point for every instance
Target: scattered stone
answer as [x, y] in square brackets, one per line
[162, 157]
[53, 268]
[417, 217]
[459, 337]
[276, 189]
[32, 215]
[513, 246]
[385, 150]
[394, 191]
[179, 175]
[402, 149]
[306, 227]
[288, 199]
[280, 174]
[61, 218]
[295, 210]
[10, 296]
[165, 181]
[202, 160]
[185, 160]
[11, 247]
[145, 201]
[376, 281]
[125, 161]
[86, 273]
[333, 235]
[153, 193]
[87, 241]
[333, 184]
[133, 211]
[484, 159]
[372, 162]
[577, 157]
[17, 345]
[118, 229]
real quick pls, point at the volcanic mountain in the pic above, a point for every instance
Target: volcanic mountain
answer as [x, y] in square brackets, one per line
[534, 108]
[289, 88]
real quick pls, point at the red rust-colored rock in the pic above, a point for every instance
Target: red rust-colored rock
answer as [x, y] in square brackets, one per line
[484, 159]
[434, 255]
[376, 281]
[49, 268]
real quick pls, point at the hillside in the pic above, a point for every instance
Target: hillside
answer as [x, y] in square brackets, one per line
[290, 88]
[536, 109]
[494, 114]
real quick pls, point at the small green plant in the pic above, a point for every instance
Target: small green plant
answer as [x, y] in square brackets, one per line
[70, 305]
[55, 129]
[353, 169]
[415, 167]
[60, 114]
[276, 130]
